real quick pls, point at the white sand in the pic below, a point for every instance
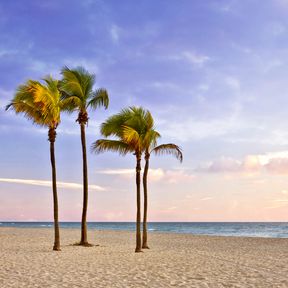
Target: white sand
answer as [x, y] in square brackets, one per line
[27, 260]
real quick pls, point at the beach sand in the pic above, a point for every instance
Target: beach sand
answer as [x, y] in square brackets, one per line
[174, 260]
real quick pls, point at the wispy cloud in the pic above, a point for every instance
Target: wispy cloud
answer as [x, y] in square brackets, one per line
[169, 176]
[273, 163]
[46, 183]
[116, 171]
[206, 198]
[115, 33]
[191, 57]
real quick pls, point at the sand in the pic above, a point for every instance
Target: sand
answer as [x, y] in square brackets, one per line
[174, 260]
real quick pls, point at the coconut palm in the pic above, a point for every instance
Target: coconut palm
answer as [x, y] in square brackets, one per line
[129, 127]
[41, 103]
[77, 90]
[151, 148]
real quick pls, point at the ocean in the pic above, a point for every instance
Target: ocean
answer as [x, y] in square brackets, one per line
[246, 229]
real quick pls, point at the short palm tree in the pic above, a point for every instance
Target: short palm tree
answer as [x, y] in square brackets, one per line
[77, 90]
[151, 148]
[129, 127]
[41, 103]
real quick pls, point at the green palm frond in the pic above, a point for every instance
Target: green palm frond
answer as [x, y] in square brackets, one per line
[70, 83]
[103, 145]
[70, 103]
[99, 98]
[150, 139]
[78, 83]
[28, 110]
[113, 125]
[132, 125]
[170, 149]
[38, 102]
[131, 136]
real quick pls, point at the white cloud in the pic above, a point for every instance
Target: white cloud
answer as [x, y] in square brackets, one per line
[115, 33]
[7, 52]
[191, 57]
[277, 29]
[206, 198]
[193, 129]
[155, 175]
[46, 183]
[5, 95]
[116, 171]
[232, 82]
[225, 6]
[272, 163]
[194, 58]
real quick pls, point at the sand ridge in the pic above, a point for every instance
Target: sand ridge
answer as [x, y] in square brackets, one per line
[175, 260]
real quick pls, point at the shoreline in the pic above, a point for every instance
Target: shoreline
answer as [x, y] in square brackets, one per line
[152, 231]
[174, 260]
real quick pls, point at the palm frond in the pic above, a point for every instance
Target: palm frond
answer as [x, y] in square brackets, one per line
[131, 136]
[38, 102]
[70, 104]
[150, 139]
[170, 149]
[103, 145]
[99, 98]
[72, 83]
[113, 125]
[78, 82]
[28, 111]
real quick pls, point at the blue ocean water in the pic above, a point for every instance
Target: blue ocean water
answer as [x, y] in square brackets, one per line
[247, 229]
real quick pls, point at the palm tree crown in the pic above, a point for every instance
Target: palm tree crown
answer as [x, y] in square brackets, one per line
[38, 102]
[77, 90]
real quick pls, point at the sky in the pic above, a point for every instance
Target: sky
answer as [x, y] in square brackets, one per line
[213, 74]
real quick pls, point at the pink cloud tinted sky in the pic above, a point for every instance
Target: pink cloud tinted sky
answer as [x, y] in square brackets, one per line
[213, 74]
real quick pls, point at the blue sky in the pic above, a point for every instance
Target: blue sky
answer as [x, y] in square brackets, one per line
[214, 76]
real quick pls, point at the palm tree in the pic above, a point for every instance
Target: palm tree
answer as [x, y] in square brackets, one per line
[150, 147]
[129, 127]
[77, 90]
[41, 103]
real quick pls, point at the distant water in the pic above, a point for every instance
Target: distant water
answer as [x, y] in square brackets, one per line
[259, 229]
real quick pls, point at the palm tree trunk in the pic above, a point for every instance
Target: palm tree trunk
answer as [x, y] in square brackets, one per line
[145, 174]
[84, 240]
[52, 137]
[138, 216]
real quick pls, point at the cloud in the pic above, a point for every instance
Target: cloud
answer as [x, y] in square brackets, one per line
[194, 129]
[155, 175]
[194, 58]
[226, 7]
[116, 171]
[277, 29]
[206, 198]
[115, 33]
[272, 163]
[46, 183]
[5, 95]
[278, 166]
[191, 57]
[232, 82]
[221, 165]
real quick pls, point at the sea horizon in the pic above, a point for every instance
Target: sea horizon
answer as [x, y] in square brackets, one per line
[238, 229]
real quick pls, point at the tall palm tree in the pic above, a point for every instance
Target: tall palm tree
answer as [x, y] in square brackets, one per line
[150, 147]
[77, 90]
[129, 127]
[41, 103]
